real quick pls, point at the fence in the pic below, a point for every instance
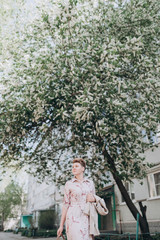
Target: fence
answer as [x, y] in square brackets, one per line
[127, 236]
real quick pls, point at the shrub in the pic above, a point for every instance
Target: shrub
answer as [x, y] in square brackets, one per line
[39, 233]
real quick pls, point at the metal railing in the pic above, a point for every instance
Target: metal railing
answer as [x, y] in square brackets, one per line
[126, 236]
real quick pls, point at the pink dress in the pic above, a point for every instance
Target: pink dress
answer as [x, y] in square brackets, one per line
[77, 223]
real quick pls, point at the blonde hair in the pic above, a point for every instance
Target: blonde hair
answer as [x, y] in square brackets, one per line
[81, 161]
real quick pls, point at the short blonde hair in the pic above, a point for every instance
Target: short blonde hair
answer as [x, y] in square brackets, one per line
[81, 161]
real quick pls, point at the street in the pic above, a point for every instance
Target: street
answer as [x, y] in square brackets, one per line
[12, 236]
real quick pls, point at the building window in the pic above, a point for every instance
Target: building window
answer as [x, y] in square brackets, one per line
[158, 134]
[130, 189]
[157, 183]
[154, 184]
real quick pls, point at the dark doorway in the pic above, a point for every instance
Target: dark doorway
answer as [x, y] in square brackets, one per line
[106, 222]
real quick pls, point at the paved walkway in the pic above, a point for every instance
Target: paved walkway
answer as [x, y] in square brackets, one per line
[12, 236]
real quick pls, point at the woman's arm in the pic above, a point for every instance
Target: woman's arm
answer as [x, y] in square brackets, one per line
[66, 203]
[63, 219]
[90, 196]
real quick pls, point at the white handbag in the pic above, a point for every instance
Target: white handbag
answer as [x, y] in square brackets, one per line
[101, 207]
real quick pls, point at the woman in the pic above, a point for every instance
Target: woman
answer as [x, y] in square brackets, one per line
[78, 191]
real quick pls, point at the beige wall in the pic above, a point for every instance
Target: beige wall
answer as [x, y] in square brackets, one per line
[141, 193]
[41, 195]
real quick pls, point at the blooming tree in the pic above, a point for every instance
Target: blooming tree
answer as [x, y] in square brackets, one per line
[83, 80]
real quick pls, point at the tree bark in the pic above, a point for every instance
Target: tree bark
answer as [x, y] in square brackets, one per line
[143, 211]
[2, 221]
[142, 219]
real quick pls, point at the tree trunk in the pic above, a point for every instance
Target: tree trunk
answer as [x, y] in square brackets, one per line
[2, 221]
[143, 211]
[142, 219]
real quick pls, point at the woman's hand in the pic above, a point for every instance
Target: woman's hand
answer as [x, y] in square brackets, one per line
[90, 198]
[59, 231]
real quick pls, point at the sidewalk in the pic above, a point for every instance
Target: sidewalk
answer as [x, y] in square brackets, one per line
[12, 236]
